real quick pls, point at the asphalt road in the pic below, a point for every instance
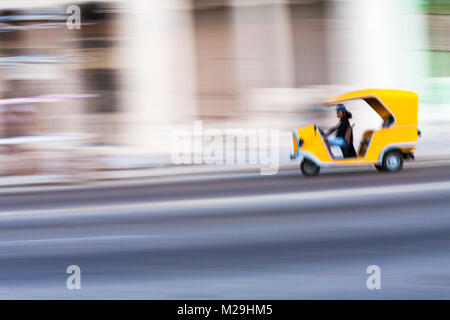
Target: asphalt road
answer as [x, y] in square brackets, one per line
[243, 236]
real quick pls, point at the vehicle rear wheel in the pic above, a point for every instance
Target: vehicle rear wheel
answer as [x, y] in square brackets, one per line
[393, 161]
[309, 168]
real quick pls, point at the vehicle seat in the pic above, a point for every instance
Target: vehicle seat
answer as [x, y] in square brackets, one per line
[364, 144]
[388, 122]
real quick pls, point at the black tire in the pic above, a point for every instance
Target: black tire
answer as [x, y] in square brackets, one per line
[309, 168]
[393, 161]
[379, 168]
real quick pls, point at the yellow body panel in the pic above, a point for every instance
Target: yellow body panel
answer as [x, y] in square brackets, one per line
[396, 136]
[313, 143]
[401, 134]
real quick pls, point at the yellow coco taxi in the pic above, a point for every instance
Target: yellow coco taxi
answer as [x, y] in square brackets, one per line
[386, 148]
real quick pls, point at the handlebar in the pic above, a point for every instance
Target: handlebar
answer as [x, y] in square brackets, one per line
[321, 131]
[317, 128]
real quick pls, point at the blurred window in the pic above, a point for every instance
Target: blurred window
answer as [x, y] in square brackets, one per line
[308, 30]
[439, 36]
[104, 83]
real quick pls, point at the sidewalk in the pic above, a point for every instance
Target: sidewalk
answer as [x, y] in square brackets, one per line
[167, 170]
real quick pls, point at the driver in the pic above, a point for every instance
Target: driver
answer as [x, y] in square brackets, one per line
[341, 128]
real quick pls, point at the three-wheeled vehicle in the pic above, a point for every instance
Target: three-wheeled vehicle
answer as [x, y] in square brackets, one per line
[385, 148]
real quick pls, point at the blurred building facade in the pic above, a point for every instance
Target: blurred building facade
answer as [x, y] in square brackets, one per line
[158, 65]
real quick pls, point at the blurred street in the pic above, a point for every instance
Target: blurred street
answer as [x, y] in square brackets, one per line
[136, 135]
[231, 237]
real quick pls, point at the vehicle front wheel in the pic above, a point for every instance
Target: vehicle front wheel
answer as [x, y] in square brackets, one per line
[309, 168]
[392, 161]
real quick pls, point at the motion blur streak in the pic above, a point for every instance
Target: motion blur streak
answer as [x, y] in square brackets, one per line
[272, 199]
[294, 249]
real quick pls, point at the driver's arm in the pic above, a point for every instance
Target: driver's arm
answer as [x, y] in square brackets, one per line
[331, 130]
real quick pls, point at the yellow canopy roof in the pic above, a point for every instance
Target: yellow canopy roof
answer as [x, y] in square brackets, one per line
[401, 104]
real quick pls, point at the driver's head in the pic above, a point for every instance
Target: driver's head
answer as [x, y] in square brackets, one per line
[340, 110]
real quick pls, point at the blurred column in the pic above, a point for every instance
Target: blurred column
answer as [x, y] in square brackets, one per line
[263, 45]
[216, 72]
[375, 43]
[161, 79]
